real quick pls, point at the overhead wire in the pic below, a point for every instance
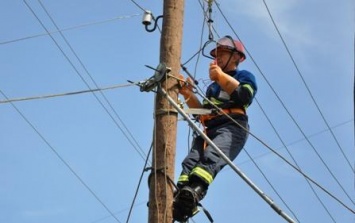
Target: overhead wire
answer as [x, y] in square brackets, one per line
[56, 153]
[294, 160]
[201, 46]
[331, 195]
[309, 91]
[74, 93]
[274, 151]
[284, 159]
[307, 87]
[84, 82]
[209, 20]
[140, 7]
[195, 54]
[131, 139]
[354, 83]
[139, 183]
[288, 112]
[117, 212]
[195, 72]
[211, 30]
[271, 185]
[354, 89]
[70, 28]
[65, 94]
[201, 39]
[92, 90]
[302, 139]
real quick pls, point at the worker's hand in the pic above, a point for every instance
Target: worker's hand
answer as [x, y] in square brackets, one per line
[185, 86]
[215, 71]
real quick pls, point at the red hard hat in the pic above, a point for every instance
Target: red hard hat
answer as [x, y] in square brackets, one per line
[228, 43]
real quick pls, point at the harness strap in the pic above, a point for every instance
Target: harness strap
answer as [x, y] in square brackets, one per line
[206, 117]
[206, 212]
[202, 120]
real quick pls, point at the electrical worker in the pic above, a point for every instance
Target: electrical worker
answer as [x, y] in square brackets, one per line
[232, 91]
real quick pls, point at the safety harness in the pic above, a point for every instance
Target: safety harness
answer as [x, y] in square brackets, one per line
[204, 115]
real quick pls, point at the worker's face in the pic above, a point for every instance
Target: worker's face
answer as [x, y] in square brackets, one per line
[227, 59]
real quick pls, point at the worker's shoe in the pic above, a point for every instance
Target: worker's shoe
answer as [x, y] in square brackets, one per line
[179, 212]
[186, 201]
[200, 190]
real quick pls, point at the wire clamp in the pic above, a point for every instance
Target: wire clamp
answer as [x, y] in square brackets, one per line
[160, 73]
[151, 83]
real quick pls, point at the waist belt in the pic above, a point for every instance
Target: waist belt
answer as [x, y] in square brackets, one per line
[208, 114]
[207, 117]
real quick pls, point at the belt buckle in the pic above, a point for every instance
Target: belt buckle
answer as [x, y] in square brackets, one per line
[214, 112]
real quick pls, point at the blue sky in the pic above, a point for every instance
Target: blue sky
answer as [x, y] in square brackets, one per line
[74, 159]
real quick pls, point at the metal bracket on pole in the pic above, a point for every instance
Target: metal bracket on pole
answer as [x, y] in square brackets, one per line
[225, 158]
[160, 72]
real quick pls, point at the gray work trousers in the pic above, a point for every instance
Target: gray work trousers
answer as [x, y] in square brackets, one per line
[228, 137]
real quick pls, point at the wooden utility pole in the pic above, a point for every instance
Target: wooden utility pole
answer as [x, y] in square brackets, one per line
[161, 190]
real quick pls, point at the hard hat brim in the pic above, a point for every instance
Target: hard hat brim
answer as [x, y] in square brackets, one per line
[213, 52]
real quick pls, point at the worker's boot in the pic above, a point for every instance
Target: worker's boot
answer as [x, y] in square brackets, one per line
[178, 206]
[186, 201]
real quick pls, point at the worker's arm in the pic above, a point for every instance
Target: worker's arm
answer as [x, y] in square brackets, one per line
[186, 89]
[241, 94]
[227, 82]
[192, 101]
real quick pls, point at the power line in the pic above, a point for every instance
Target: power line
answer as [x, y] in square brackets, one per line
[224, 156]
[310, 93]
[263, 174]
[300, 140]
[134, 2]
[117, 212]
[93, 89]
[198, 53]
[132, 139]
[268, 181]
[70, 28]
[83, 81]
[306, 85]
[61, 158]
[276, 153]
[294, 160]
[65, 94]
[298, 168]
[288, 112]
[139, 183]
[103, 95]
[354, 88]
